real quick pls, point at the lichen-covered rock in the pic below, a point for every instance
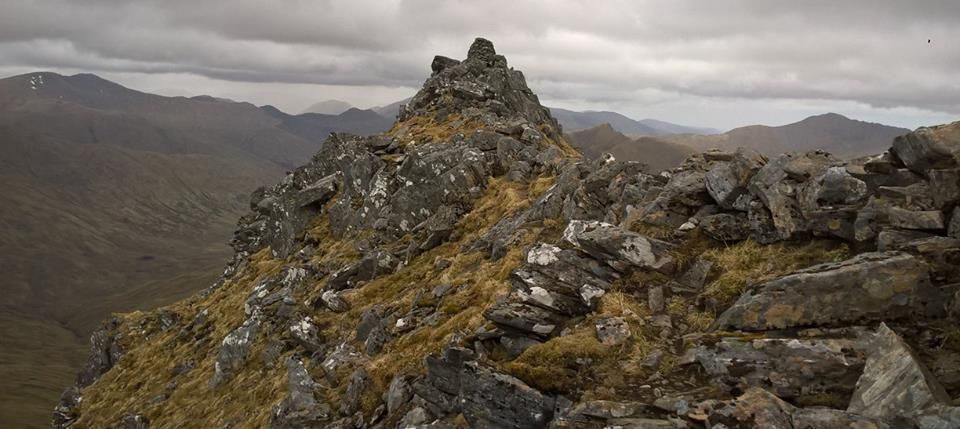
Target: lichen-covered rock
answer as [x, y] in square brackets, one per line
[757, 408]
[726, 227]
[621, 249]
[727, 181]
[867, 287]
[398, 393]
[66, 410]
[234, 349]
[894, 384]
[491, 399]
[300, 408]
[334, 302]
[777, 185]
[613, 331]
[105, 352]
[680, 198]
[788, 367]
[941, 253]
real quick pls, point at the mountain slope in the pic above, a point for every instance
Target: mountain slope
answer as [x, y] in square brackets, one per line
[831, 132]
[657, 154]
[468, 269]
[116, 200]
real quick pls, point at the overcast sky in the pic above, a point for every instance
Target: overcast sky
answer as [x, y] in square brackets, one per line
[710, 63]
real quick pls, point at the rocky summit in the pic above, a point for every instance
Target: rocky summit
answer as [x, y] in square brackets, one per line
[468, 268]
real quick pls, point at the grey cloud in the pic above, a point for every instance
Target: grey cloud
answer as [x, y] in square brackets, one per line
[870, 52]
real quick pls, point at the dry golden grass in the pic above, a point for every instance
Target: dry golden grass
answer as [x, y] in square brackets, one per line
[426, 129]
[247, 398]
[747, 263]
[151, 354]
[569, 363]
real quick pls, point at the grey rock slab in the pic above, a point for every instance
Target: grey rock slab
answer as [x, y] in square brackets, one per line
[868, 287]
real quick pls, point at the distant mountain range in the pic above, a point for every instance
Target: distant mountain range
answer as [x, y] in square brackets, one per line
[118, 199]
[328, 107]
[657, 154]
[569, 119]
[575, 121]
[834, 133]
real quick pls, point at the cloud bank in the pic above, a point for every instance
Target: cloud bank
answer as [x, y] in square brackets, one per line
[709, 63]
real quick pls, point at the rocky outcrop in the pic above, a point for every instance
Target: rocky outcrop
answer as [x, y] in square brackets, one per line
[300, 408]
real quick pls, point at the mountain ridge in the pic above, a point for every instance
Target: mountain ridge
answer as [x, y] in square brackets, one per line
[835, 133]
[469, 268]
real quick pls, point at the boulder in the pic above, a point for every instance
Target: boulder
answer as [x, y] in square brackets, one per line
[561, 280]
[495, 400]
[727, 181]
[941, 253]
[833, 188]
[777, 184]
[234, 350]
[894, 384]
[892, 238]
[525, 319]
[398, 393]
[929, 147]
[868, 287]
[621, 249]
[680, 198]
[726, 227]
[351, 398]
[791, 368]
[334, 302]
[300, 408]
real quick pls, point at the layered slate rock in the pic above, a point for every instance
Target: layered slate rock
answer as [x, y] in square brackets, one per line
[894, 385]
[788, 367]
[455, 382]
[868, 287]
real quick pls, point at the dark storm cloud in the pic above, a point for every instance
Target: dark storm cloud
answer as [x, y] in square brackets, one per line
[870, 52]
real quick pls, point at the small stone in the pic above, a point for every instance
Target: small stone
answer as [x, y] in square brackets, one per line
[334, 302]
[613, 331]
[653, 359]
[655, 298]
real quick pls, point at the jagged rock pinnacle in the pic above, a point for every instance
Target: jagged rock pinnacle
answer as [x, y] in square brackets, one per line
[481, 49]
[483, 88]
